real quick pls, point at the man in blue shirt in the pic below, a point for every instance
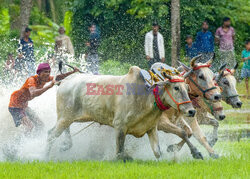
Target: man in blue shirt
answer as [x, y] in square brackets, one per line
[205, 43]
[25, 62]
[190, 47]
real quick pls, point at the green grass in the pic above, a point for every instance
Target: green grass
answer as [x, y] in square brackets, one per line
[236, 165]
[236, 118]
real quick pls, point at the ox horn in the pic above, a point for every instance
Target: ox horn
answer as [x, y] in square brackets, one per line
[186, 68]
[167, 76]
[222, 67]
[192, 63]
[236, 65]
[187, 74]
[180, 69]
[221, 72]
[211, 60]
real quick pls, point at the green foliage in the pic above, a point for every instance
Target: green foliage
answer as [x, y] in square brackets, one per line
[123, 23]
[4, 21]
[67, 22]
[111, 67]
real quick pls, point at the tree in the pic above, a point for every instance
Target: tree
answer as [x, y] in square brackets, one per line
[25, 9]
[175, 31]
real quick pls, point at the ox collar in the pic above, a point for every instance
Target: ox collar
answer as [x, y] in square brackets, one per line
[158, 101]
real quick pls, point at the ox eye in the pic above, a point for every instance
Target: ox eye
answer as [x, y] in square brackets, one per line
[176, 88]
[201, 77]
[226, 82]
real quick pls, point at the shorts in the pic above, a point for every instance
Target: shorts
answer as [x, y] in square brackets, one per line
[245, 73]
[17, 115]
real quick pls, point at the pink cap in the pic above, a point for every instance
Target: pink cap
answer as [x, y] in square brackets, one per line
[41, 67]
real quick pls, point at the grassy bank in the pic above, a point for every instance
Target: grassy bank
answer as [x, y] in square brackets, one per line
[235, 165]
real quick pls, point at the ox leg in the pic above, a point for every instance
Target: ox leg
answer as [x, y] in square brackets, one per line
[120, 140]
[215, 124]
[67, 143]
[168, 127]
[198, 134]
[154, 142]
[55, 132]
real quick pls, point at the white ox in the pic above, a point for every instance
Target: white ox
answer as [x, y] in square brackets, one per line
[111, 104]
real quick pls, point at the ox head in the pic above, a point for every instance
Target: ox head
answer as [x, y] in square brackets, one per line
[215, 108]
[200, 79]
[226, 80]
[175, 94]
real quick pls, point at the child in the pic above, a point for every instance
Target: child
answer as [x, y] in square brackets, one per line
[191, 50]
[245, 71]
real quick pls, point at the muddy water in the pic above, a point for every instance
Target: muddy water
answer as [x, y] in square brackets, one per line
[95, 143]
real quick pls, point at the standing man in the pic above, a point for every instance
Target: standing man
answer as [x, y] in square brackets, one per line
[63, 43]
[224, 36]
[26, 59]
[92, 53]
[154, 46]
[205, 43]
[63, 47]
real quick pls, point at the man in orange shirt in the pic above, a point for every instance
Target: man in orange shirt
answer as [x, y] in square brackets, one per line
[33, 87]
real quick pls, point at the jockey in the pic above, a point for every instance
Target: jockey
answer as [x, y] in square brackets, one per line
[33, 87]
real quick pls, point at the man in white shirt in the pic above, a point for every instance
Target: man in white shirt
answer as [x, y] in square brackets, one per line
[154, 46]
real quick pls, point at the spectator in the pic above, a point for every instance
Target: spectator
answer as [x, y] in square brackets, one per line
[245, 71]
[205, 43]
[63, 48]
[191, 50]
[26, 61]
[224, 36]
[63, 43]
[154, 46]
[92, 53]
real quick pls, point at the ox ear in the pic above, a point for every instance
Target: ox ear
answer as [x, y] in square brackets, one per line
[185, 67]
[159, 83]
[210, 61]
[192, 63]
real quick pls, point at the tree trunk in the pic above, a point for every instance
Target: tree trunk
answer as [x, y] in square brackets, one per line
[39, 3]
[25, 9]
[175, 31]
[53, 10]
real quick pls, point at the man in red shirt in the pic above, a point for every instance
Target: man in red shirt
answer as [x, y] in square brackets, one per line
[33, 87]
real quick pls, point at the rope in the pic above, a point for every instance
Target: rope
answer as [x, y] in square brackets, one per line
[83, 129]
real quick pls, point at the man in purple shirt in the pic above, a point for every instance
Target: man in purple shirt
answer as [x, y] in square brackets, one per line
[224, 36]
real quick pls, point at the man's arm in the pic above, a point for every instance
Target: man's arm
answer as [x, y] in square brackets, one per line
[146, 45]
[217, 37]
[34, 92]
[62, 76]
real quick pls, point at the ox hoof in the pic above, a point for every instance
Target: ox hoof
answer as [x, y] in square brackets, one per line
[124, 157]
[214, 156]
[212, 142]
[65, 146]
[196, 154]
[173, 148]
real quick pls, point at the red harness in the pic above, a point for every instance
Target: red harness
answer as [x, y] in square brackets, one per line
[158, 101]
[201, 66]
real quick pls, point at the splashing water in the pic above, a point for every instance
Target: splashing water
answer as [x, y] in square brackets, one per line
[97, 142]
